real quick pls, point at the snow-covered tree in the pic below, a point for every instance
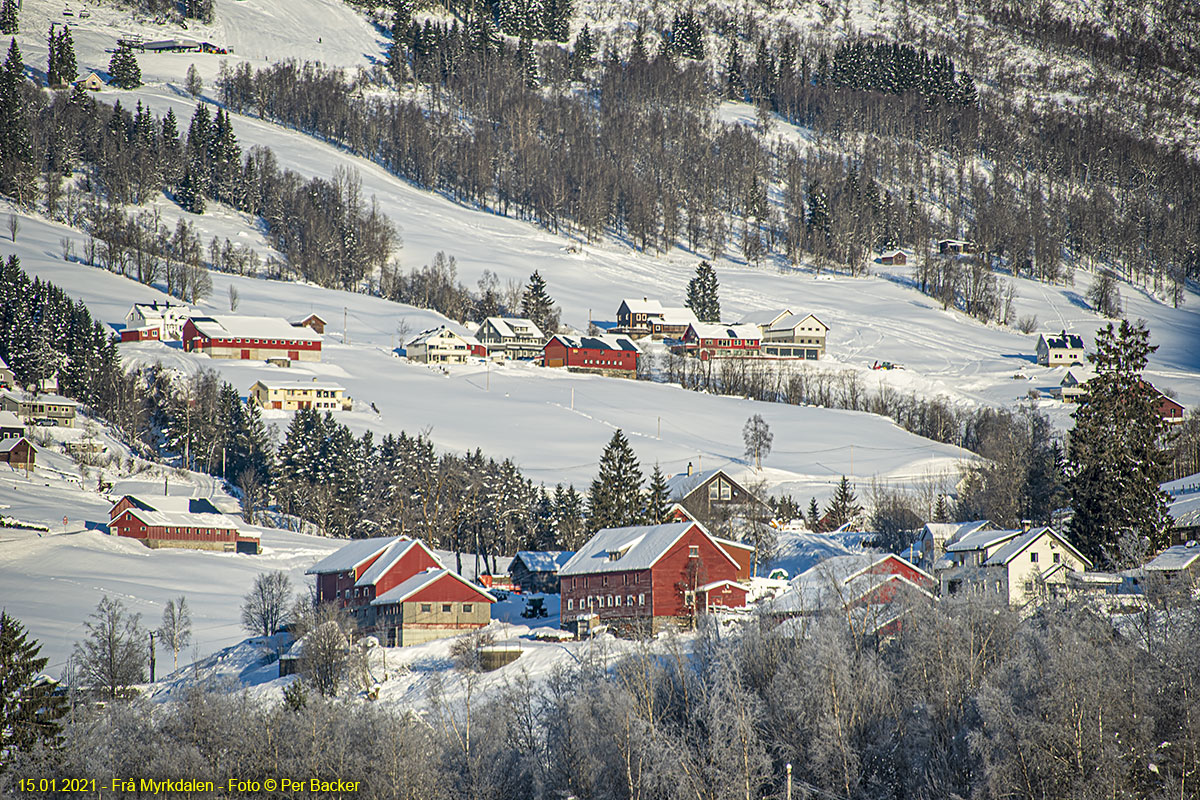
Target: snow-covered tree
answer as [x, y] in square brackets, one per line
[615, 497]
[29, 711]
[702, 294]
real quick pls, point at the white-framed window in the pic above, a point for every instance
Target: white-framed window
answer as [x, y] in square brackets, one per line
[618, 600]
[693, 551]
[467, 608]
[1033, 557]
[570, 604]
[426, 608]
[446, 607]
[641, 599]
[610, 601]
[629, 600]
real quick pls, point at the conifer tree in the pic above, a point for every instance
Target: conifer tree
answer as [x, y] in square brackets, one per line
[844, 506]
[29, 712]
[537, 306]
[582, 53]
[615, 497]
[702, 294]
[60, 66]
[9, 23]
[568, 517]
[658, 501]
[52, 58]
[1116, 455]
[123, 66]
[814, 514]
[17, 177]
[735, 86]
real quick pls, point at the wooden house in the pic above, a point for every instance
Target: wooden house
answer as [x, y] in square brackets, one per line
[10, 425]
[93, 82]
[167, 503]
[795, 336]
[706, 340]
[763, 320]
[181, 529]
[40, 409]
[703, 492]
[250, 338]
[634, 316]
[537, 571]
[514, 337]
[892, 257]
[16, 451]
[6, 375]
[642, 579]
[167, 317]
[605, 354]
[1179, 562]
[1073, 387]
[954, 247]
[1010, 566]
[1064, 350]
[672, 323]
[722, 595]
[141, 335]
[363, 569]
[1168, 409]
[312, 321]
[438, 345]
[294, 396]
[430, 605]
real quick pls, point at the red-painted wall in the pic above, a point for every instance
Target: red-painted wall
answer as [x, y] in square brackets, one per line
[895, 566]
[193, 339]
[448, 589]
[580, 356]
[677, 571]
[417, 559]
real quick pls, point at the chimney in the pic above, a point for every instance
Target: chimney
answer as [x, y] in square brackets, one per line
[1025, 525]
[689, 468]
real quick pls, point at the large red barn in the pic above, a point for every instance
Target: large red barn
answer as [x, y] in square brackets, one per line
[365, 568]
[157, 529]
[606, 354]
[643, 578]
[251, 338]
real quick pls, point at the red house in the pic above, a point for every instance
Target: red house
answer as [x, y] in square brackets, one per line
[722, 594]
[607, 354]
[148, 334]
[430, 605]
[250, 338]
[157, 529]
[645, 578]
[713, 340]
[172, 504]
[16, 450]
[1168, 409]
[366, 568]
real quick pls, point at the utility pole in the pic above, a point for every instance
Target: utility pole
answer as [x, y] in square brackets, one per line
[660, 428]
[345, 333]
[488, 369]
[789, 781]
[152, 656]
[222, 462]
[572, 398]
[166, 489]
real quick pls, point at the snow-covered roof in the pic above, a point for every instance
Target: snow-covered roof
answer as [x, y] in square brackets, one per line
[635, 547]
[643, 306]
[766, 318]
[239, 327]
[793, 321]
[300, 385]
[424, 337]
[544, 560]
[951, 532]
[892, 253]
[515, 327]
[184, 519]
[51, 399]
[3, 363]
[10, 420]
[9, 442]
[303, 318]
[1064, 341]
[147, 310]
[352, 554]
[842, 578]
[419, 581]
[720, 330]
[980, 540]
[605, 341]
[173, 504]
[1077, 376]
[681, 485]
[385, 562]
[1173, 559]
[708, 587]
[678, 316]
[1016, 545]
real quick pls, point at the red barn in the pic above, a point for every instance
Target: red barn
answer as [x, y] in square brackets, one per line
[364, 569]
[174, 504]
[157, 529]
[644, 578]
[430, 605]
[714, 340]
[722, 594]
[148, 334]
[607, 354]
[1168, 409]
[250, 338]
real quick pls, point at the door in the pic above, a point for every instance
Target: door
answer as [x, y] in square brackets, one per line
[294, 355]
[246, 354]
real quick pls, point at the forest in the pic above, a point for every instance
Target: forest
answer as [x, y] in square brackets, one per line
[967, 700]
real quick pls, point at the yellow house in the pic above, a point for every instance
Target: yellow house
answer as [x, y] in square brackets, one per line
[1010, 566]
[293, 396]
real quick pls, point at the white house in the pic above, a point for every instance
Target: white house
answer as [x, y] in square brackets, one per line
[795, 336]
[1064, 350]
[936, 536]
[169, 318]
[1010, 566]
[1074, 384]
[514, 336]
[438, 346]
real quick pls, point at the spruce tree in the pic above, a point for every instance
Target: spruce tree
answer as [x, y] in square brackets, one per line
[615, 497]
[658, 501]
[702, 297]
[29, 712]
[52, 58]
[64, 57]
[582, 53]
[814, 514]
[1116, 458]
[536, 304]
[123, 66]
[9, 23]
[844, 506]
[17, 178]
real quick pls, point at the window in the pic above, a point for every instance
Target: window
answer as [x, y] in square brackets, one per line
[467, 608]
[629, 600]
[641, 599]
[604, 581]
[446, 608]
[570, 605]
[617, 601]
[724, 490]
[1033, 557]
[1057, 557]
[693, 551]
[426, 608]
[713, 491]
[610, 601]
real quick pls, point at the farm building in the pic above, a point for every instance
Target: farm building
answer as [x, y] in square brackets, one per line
[1168, 409]
[364, 569]
[871, 587]
[512, 336]
[716, 340]
[184, 529]
[40, 409]
[1064, 350]
[250, 338]
[438, 346]
[10, 425]
[537, 571]
[1179, 562]
[606, 354]
[168, 318]
[645, 578]
[141, 335]
[892, 257]
[167, 503]
[312, 321]
[294, 396]
[432, 604]
[16, 451]
[954, 247]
